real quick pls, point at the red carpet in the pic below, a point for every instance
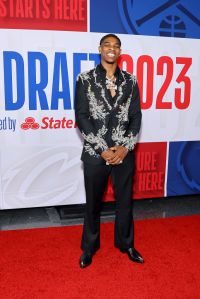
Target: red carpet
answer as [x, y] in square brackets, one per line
[43, 263]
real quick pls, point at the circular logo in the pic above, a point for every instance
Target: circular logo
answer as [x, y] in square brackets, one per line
[188, 163]
[173, 18]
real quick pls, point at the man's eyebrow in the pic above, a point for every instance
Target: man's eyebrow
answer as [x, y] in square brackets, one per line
[106, 42]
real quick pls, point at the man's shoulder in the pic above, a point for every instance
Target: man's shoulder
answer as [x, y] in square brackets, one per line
[86, 75]
[130, 77]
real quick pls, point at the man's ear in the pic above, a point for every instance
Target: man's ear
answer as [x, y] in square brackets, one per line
[99, 49]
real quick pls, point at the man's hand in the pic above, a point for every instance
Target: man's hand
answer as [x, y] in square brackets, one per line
[108, 154]
[119, 153]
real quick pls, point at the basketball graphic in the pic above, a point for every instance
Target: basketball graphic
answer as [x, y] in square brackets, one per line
[172, 26]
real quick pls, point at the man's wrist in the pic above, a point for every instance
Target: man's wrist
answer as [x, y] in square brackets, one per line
[127, 150]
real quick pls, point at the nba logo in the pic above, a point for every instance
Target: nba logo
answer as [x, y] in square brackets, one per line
[172, 18]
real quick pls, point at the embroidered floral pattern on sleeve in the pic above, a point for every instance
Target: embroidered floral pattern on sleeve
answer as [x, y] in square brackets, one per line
[97, 140]
[130, 141]
[127, 141]
[88, 149]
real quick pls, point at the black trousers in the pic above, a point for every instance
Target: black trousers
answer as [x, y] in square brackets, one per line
[96, 177]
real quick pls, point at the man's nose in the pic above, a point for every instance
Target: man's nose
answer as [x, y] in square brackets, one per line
[111, 47]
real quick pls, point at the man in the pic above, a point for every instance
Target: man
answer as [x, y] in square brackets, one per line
[108, 114]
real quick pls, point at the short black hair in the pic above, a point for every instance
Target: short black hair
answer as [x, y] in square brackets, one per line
[110, 35]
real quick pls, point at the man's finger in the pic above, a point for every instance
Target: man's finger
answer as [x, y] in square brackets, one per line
[115, 159]
[113, 148]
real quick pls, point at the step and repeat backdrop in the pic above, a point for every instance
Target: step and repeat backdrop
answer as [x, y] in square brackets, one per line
[45, 44]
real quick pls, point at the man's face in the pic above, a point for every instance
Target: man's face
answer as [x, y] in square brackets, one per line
[110, 50]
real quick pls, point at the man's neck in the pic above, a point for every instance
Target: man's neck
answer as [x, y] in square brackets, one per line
[110, 68]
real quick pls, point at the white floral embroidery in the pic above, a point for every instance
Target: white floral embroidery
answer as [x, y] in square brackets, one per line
[118, 135]
[130, 141]
[120, 93]
[97, 110]
[90, 150]
[122, 115]
[134, 79]
[103, 94]
[84, 76]
[127, 141]
[97, 139]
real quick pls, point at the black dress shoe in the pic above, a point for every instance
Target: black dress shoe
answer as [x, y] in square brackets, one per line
[133, 255]
[85, 259]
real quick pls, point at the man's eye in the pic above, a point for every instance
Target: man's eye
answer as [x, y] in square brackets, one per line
[114, 46]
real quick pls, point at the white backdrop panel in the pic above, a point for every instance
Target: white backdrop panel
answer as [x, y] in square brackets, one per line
[42, 167]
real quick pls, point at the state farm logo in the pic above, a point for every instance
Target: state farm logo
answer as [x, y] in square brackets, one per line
[48, 123]
[30, 123]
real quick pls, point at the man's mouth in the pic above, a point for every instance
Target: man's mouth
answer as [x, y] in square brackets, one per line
[111, 55]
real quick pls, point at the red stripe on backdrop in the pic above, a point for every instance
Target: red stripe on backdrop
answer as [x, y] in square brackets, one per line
[69, 15]
[150, 162]
[149, 178]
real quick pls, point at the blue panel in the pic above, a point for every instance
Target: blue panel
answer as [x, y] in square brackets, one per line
[172, 18]
[104, 17]
[183, 168]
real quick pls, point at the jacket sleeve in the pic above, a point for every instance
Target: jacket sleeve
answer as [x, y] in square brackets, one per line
[135, 116]
[82, 114]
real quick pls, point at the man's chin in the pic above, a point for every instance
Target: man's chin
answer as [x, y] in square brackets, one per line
[110, 62]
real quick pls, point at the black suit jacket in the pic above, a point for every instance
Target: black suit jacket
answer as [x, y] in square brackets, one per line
[105, 121]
